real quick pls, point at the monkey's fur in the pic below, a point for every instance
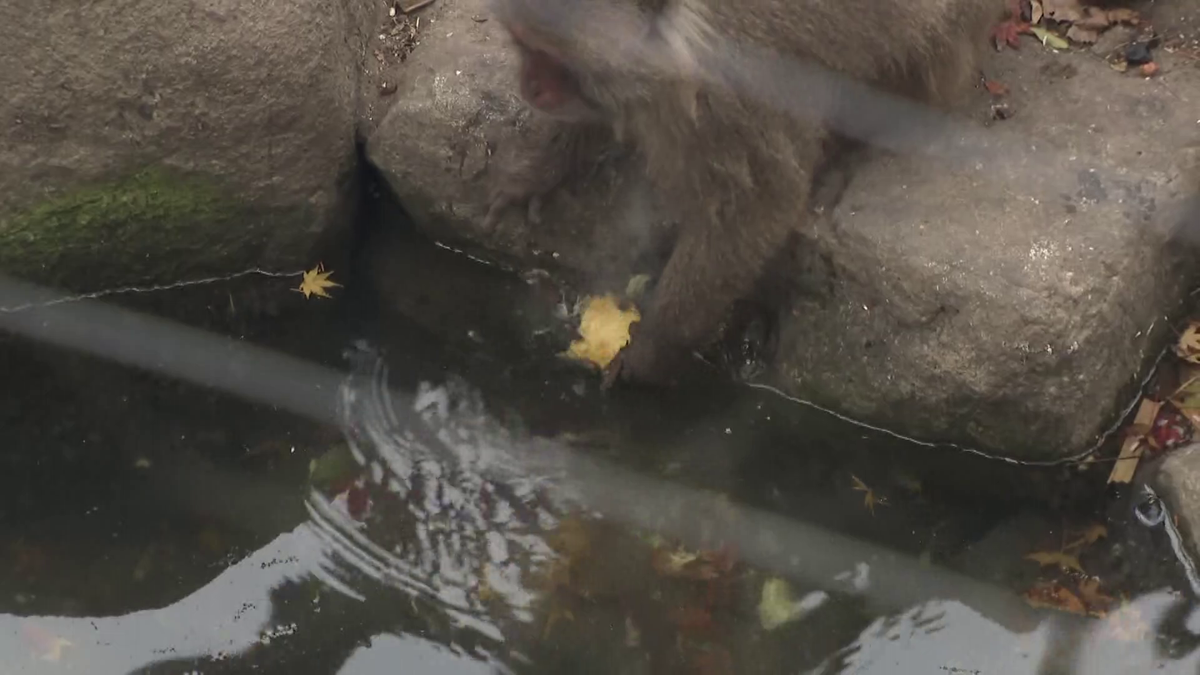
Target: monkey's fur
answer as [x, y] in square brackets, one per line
[737, 170]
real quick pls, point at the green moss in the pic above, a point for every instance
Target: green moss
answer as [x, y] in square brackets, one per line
[120, 226]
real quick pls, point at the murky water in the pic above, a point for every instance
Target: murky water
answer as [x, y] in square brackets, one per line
[471, 505]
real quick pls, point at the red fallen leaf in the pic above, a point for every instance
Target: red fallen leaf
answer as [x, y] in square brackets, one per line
[693, 619]
[357, 501]
[1008, 32]
[995, 88]
[1170, 429]
[713, 661]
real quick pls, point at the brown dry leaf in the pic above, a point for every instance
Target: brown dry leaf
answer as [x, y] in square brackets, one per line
[693, 619]
[1082, 35]
[1133, 447]
[571, 538]
[555, 615]
[1124, 15]
[1094, 18]
[1062, 10]
[870, 500]
[1064, 560]
[1188, 344]
[1054, 596]
[703, 566]
[1127, 462]
[1035, 11]
[671, 563]
[1090, 535]
[1097, 602]
[995, 88]
[604, 331]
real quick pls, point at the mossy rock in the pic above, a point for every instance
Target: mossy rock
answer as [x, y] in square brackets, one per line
[151, 226]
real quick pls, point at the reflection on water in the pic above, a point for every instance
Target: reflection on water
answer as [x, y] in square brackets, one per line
[452, 543]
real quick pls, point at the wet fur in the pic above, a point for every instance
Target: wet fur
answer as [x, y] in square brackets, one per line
[739, 172]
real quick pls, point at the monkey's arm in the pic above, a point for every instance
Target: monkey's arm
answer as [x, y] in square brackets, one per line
[549, 155]
[748, 205]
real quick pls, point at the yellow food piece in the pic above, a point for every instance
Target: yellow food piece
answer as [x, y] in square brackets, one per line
[603, 330]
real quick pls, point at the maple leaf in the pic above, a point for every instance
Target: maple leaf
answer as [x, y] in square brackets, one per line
[1090, 535]
[315, 282]
[1064, 560]
[1097, 601]
[1009, 33]
[1054, 596]
[1188, 345]
[995, 88]
[870, 500]
[604, 329]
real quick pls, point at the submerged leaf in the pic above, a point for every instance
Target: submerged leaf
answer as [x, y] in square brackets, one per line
[1054, 596]
[1090, 535]
[1066, 561]
[870, 499]
[1097, 601]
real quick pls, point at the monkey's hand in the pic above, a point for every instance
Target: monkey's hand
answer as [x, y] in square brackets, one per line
[645, 360]
[508, 193]
[548, 156]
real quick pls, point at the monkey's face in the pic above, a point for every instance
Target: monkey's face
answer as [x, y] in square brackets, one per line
[581, 60]
[547, 82]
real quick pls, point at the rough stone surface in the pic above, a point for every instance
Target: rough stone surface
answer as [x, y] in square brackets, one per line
[157, 140]
[1009, 304]
[454, 117]
[1176, 479]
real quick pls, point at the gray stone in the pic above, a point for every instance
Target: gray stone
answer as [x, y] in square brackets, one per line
[455, 117]
[1010, 303]
[161, 139]
[1014, 304]
[1176, 479]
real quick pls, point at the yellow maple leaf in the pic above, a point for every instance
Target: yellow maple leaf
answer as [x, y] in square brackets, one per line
[1064, 560]
[604, 331]
[870, 499]
[315, 282]
[1188, 346]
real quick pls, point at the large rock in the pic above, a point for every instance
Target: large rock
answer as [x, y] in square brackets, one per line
[161, 139]
[1176, 480]
[1010, 303]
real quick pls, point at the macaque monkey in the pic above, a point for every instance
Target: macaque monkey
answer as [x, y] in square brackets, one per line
[735, 169]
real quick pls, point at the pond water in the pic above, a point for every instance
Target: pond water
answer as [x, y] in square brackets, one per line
[467, 504]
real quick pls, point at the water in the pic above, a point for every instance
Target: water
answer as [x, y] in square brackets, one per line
[472, 506]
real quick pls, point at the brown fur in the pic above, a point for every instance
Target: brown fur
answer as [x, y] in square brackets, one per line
[738, 171]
